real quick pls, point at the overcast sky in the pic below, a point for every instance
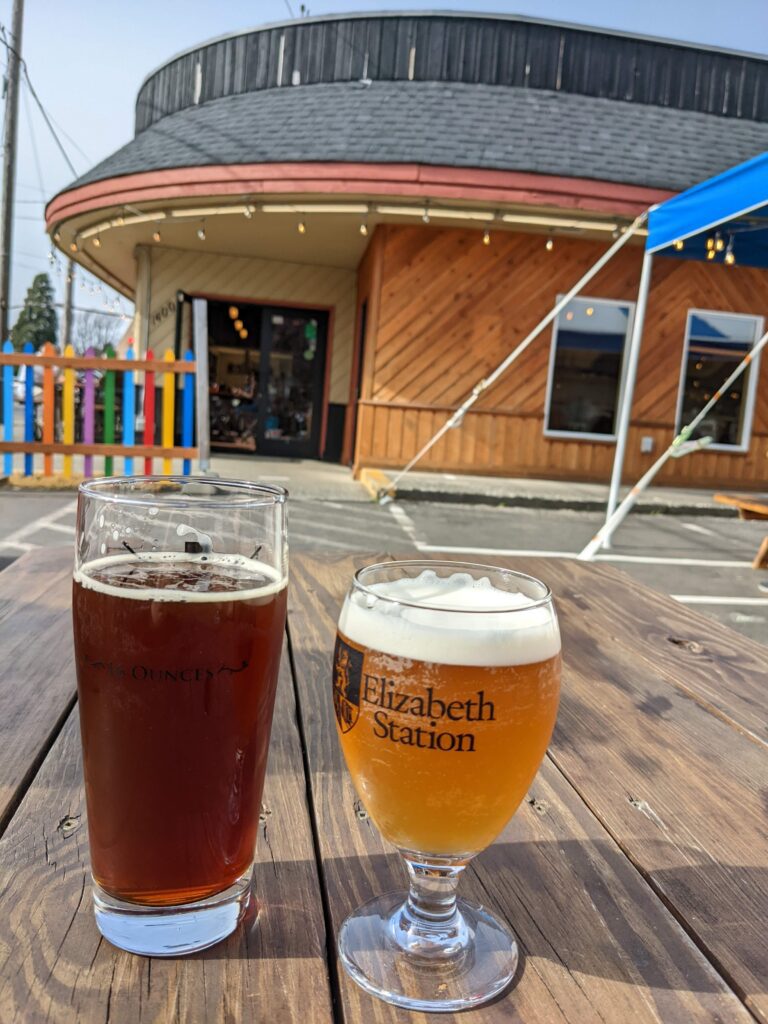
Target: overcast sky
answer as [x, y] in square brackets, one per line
[86, 60]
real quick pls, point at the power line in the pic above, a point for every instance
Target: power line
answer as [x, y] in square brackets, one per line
[33, 141]
[36, 98]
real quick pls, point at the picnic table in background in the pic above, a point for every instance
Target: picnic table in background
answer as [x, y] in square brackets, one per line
[750, 506]
[634, 874]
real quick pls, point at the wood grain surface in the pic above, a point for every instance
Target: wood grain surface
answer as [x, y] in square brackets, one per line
[36, 694]
[598, 942]
[54, 966]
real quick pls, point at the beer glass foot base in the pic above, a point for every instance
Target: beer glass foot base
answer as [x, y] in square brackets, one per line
[174, 930]
[463, 976]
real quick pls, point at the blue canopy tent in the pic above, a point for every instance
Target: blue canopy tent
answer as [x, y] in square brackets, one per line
[722, 220]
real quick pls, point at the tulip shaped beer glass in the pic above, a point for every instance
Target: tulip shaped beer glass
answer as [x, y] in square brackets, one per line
[446, 683]
[179, 601]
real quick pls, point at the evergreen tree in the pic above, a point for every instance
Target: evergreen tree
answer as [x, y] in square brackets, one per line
[37, 320]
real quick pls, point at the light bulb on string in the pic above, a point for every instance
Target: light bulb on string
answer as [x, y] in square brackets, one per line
[486, 237]
[589, 311]
[201, 232]
[243, 333]
[234, 312]
[248, 212]
[97, 242]
[710, 254]
[73, 246]
[156, 236]
[678, 245]
[710, 245]
[364, 229]
[301, 227]
[730, 256]
[57, 236]
[549, 245]
[719, 243]
[238, 325]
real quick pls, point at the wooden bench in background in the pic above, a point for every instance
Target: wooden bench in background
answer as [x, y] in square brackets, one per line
[750, 506]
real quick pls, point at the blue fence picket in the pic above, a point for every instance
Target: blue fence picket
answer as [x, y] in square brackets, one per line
[188, 412]
[8, 410]
[29, 409]
[129, 413]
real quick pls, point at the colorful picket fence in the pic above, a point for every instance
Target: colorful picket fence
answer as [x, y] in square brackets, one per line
[96, 380]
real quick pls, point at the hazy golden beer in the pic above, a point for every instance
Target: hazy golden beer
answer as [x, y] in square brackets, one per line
[443, 721]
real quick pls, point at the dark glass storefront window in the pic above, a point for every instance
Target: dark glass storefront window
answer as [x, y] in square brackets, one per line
[266, 377]
[585, 367]
[715, 344]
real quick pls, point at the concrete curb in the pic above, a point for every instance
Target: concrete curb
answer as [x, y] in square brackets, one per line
[539, 501]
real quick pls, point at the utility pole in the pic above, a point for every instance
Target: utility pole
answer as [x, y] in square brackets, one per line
[66, 316]
[7, 193]
[9, 163]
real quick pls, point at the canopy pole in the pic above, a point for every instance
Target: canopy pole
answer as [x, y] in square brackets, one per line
[628, 390]
[676, 449]
[456, 417]
[200, 341]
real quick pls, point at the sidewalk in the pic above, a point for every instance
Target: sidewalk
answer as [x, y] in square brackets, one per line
[523, 492]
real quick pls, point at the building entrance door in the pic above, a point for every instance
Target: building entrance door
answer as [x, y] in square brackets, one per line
[266, 377]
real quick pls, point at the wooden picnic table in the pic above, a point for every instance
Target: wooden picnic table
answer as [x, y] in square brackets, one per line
[635, 874]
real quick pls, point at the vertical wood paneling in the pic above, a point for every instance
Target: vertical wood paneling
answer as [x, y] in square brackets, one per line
[450, 309]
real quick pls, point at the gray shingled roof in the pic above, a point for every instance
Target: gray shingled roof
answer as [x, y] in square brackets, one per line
[446, 124]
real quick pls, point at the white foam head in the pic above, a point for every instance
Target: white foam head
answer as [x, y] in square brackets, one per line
[454, 620]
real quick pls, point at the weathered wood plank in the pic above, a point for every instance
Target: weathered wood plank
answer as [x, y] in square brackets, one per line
[720, 669]
[36, 693]
[661, 760]
[598, 943]
[55, 967]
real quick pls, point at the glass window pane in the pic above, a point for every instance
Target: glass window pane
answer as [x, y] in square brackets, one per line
[589, 346]
[716, 344]
[292, 379]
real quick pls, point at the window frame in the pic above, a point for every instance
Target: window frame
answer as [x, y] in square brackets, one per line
[749, 396]
[578, 435]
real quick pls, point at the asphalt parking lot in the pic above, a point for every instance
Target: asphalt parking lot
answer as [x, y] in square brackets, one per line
[705, 563]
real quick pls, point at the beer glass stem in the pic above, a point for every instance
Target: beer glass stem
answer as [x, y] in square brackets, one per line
[429, 923]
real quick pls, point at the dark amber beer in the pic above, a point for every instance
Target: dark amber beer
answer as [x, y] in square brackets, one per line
[177, 664]
[179, 599]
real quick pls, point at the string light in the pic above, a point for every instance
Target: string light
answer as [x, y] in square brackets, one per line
[710, 254]
[238, 325]
[248, 212]
[97, 242]
[119, 221]
[678, 244]
[201, 232]
[486, 237]
[364, 229]
[57, 236]
[243, 334]
[569, 315]
[425, 215]
[73, 246]
[549, 245]
[710, 245]
[730, 257]
[301, 227]
[156, 236]
[234, 312]
[589, 311]
[719, 243]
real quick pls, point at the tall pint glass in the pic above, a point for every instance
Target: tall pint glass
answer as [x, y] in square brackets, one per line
[446, 687]
[179, 600]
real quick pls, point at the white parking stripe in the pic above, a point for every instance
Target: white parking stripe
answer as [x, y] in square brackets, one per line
[406, 524]
[706, 599]
[42, 523]
[712, 563]
[695, 528]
